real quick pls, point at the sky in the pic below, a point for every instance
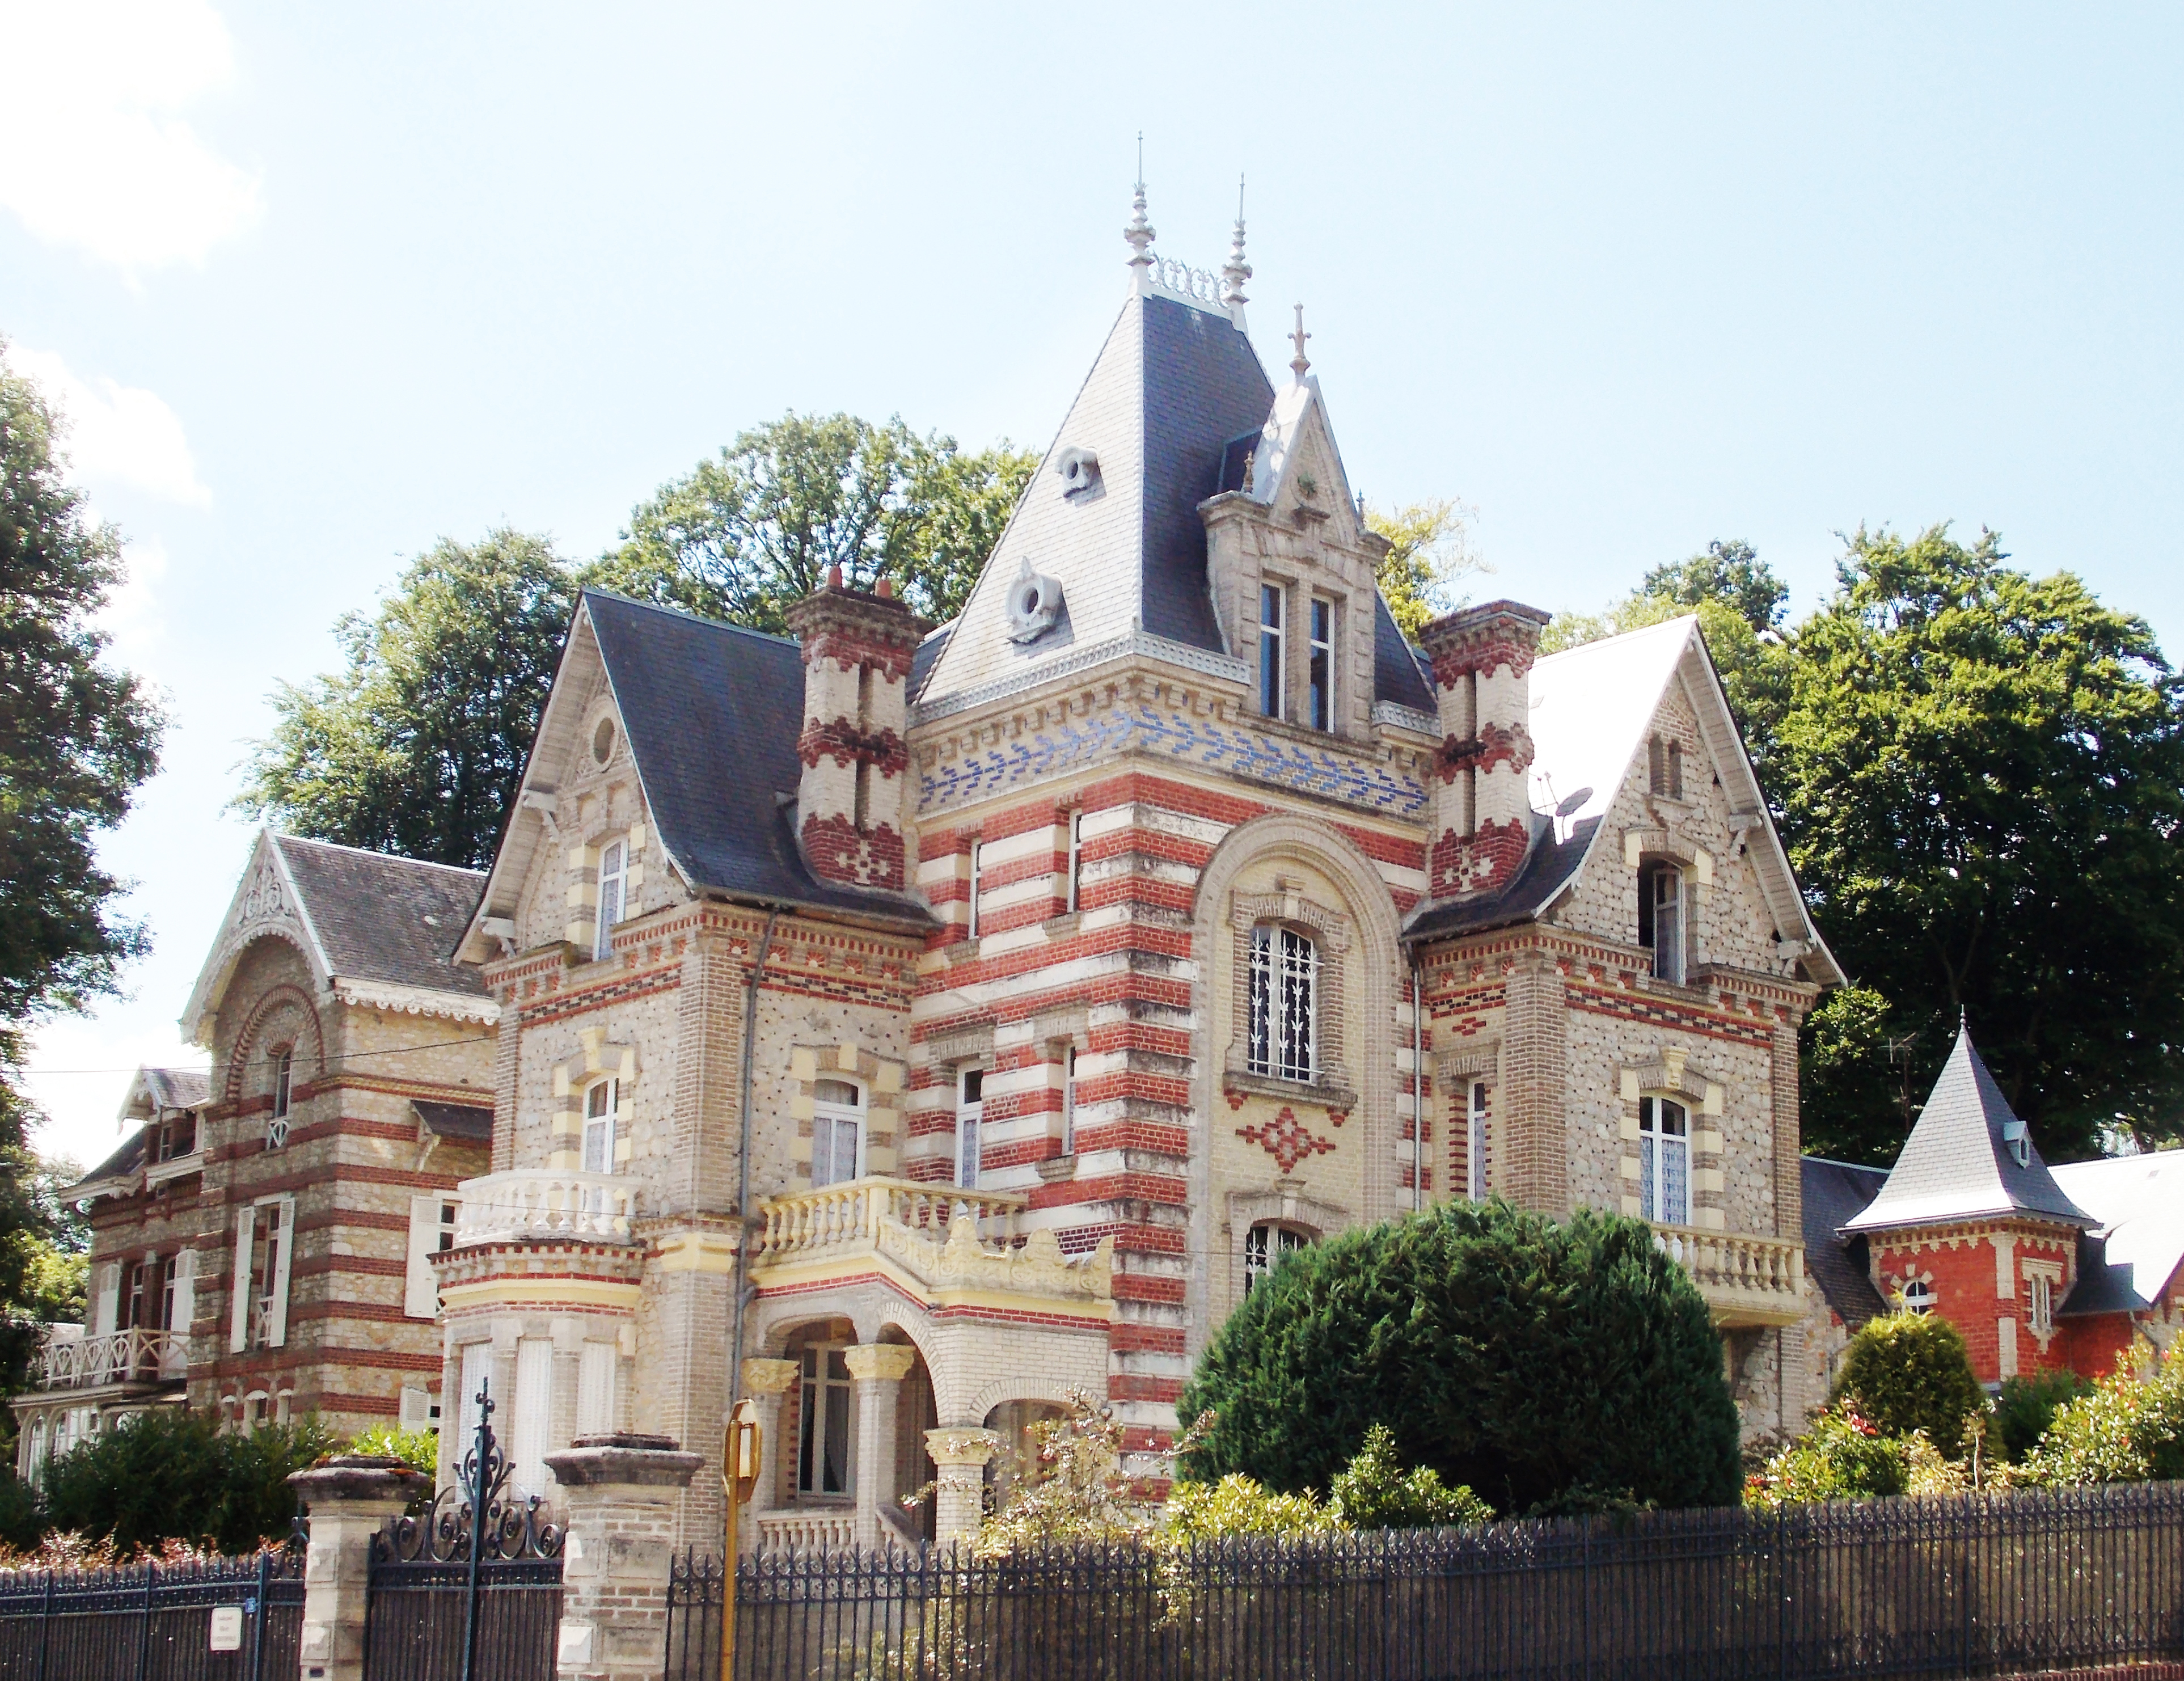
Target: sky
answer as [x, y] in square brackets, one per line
[319, 286]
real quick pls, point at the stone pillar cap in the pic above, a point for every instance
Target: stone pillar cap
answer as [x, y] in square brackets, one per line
[358, 1477]
[962, 1445]
[624, 1456]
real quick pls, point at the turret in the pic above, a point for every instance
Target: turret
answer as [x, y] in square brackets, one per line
[1482, 814]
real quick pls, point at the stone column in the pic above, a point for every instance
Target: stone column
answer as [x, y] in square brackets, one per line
[765, 1382]
[348, 1498]
[619, 1494]
[878, 1370]
[961, 1456]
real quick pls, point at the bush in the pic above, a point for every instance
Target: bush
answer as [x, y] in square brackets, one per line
[2027, 1407]
[1507, 1352]
[1842, 1457]
[2125, 1431]
[1236, 1506]
[1374, 1492]
[419, 1449]
[173, 1474]
[1907, 1371]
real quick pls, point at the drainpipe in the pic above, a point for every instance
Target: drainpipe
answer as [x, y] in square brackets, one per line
[1417, 1092]
[743, 1164]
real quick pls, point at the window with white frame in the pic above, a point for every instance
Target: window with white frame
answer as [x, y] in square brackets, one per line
[614, 881]
[822, 1457]
[602, 1102]
[1918, 1296]
[277, 1125]
[1264, 1246]
[1475, 1144]
[970, 1112]
[1273, 679]
[2044, 1304]
[1069, 1100]
[1076, 860]
[838, 1132]
[977, 851]
[1321, 667]
[1664, 1162]
[1662, 923]
[1283, 1002]
[432, 1232]
[264, 1234]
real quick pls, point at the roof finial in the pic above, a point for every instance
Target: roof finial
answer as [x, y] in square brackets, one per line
[1139, 233]
[1235, 271]
[1299, 362]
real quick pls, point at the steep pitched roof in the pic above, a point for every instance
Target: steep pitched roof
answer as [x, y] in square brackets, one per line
[1959, 1164]
[2138, 1201]
[157, 1088]
[1398, 672]
[1834, 1192]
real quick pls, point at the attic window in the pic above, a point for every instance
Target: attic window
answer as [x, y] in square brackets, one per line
[603, 740]
[2017, 1141]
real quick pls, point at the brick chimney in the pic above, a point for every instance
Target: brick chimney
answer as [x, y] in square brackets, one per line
[850, 803]
[1482, 815]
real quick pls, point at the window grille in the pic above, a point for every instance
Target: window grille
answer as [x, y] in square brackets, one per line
[1664, 1162]
[837, 1113]
[1284, 986]
[1264, 1245]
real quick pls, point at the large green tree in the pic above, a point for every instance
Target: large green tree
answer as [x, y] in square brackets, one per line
[417, 744]
[748, 533]
[1430, 548]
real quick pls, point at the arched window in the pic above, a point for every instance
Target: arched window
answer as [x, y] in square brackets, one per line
[614, 877]
[1264, 1245]
[1919, 1297]
[1284, 985]
[36, 1467]
[1662, 924]
[284, 1068]
[1664, 1162]
[838, 1129]
[601, 1103]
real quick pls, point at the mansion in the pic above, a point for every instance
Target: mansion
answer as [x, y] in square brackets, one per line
[908, 1026]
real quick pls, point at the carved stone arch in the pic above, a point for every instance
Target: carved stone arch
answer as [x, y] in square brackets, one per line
[239, 1055]
[917, 1335]
[769, 1337]
[1002, 1390]
[1375, 951]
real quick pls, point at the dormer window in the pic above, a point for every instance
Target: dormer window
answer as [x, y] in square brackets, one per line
[1273, 608]
[1321, 666]
[1284, 983]
[1662, 923]
[614, 879]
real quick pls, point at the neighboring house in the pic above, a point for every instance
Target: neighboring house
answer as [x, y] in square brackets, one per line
[2040, 1268]
[911, 1028]
[260, 1241]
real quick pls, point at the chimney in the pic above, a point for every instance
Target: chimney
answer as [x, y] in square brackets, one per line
[850, 803]
[1481, 812]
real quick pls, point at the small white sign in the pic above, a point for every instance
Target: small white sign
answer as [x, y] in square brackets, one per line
[227, 1628]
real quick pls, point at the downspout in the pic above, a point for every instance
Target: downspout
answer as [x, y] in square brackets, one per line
[1417, 1092]
[742, 1161]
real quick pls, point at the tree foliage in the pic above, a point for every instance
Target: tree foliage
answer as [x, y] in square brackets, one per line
[2124, 1430]
[1430, 549]
[172, 1474]
[2028, 1404]
[1537, 1362]
[748, 533]
[418, 744]
[1907, 1371]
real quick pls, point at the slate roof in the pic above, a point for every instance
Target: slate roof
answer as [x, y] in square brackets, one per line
[1956, 1164]
[125, 1163]
[712, 713]
[465, 1123]
[1835, 1194]
[1546, 871]
[176, 1088]
[2128, 1262]
[1396, 675]
[381, 918]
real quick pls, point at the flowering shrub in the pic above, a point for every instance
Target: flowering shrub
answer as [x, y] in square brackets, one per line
[1843, 1456]
[2126, 1431]
[1236, 1506]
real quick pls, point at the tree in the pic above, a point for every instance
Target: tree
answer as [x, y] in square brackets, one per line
[1428, 549]
[1906, 1372]
[173, 1474]
[1545, 1364]
[745, 535]
[417, 746]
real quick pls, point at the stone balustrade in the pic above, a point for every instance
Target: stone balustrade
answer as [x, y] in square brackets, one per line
[1745, 1280]
[807, 1529]
[134, 1356]
[528, 1203]
[853, 1211]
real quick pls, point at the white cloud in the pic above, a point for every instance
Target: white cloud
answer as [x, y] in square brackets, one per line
[91, 156]
[119, 436]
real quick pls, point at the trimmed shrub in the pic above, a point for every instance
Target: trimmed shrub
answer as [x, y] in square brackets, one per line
[1525, 1358]
[2027, 1406]
[1906, 1372]
[170, 1474]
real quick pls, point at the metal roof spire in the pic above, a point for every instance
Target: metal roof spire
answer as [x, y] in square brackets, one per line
[1139, 233]
[1299, 363]
[1235, 271]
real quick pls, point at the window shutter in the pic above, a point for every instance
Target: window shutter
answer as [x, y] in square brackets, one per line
[283, 1259]
[109, 1311]
[416, 1408]
[534, 1395]
[595, 1387]
[238, 1318]
[186, 1300]
[422, 1299]
[478, 1367]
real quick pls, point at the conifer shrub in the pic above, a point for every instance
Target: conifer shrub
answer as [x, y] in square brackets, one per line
[1533, 1360]
[1907, 1371]
[2027, 1405]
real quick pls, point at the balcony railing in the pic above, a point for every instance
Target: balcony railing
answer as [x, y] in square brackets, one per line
[530, 1204]
[137, 1356]
[1745, 1280]
[853, 1212]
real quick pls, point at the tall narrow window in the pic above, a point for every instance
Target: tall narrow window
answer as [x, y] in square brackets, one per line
[1475, 1144]
[822, 1459]
[1322, 663]
[277, 1124]
[140, 1284]
[1076, 859]
[970, 1111]
[1272, 683]
[1264, 1246]
[1664, 1162]
[601, 1101]
[977, 851]
[1069, 1100]
[2044, 1304]
[1661, 919]
[614, 877]
[272, 1229]
[1284, 979]
[1675, 770]
[837, 1116]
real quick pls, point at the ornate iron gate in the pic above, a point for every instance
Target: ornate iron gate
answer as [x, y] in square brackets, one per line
[470, 1589]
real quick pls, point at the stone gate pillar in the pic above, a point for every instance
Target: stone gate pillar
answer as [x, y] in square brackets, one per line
[619, 1493]
[348, 1499]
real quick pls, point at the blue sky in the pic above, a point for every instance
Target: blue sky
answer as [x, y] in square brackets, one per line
[320, 284]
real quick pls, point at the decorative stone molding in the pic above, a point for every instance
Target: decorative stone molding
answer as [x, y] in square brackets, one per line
[416, 1001]
[880, 1362]
[768, 1376]
[1391, 715]
[1333, 1091]
[1139, 644]
[1287, 1203]
[971, 1043]
[882, 1080]
[1472, 1062]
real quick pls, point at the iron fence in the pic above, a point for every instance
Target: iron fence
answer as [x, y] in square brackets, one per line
[1964, 1586]
[154, 1621]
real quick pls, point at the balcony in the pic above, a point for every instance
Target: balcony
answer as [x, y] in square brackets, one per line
[941, 1241]
[531, 1205]
[1745, 1280]
[83, 1361]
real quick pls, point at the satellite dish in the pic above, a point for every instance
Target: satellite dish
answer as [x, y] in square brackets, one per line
[1573, 802]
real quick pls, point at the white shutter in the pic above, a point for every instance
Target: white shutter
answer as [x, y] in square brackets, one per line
[421, 1298]
[595, 1388]
[238, 1318]
[477, 1366]
[177, 1361]
[532, 1411]
[107, 1313]
[282, 1261]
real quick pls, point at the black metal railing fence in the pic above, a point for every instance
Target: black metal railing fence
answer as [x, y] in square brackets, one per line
[153, 1622]
[1961, 1586]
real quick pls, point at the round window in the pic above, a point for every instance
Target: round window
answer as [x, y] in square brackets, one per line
[603, 740]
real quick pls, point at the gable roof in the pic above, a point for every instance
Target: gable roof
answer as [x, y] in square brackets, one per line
[376, 929]
[155, 1090]
[2138, 1201]
[1958, 1163]
[1833, 1193]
